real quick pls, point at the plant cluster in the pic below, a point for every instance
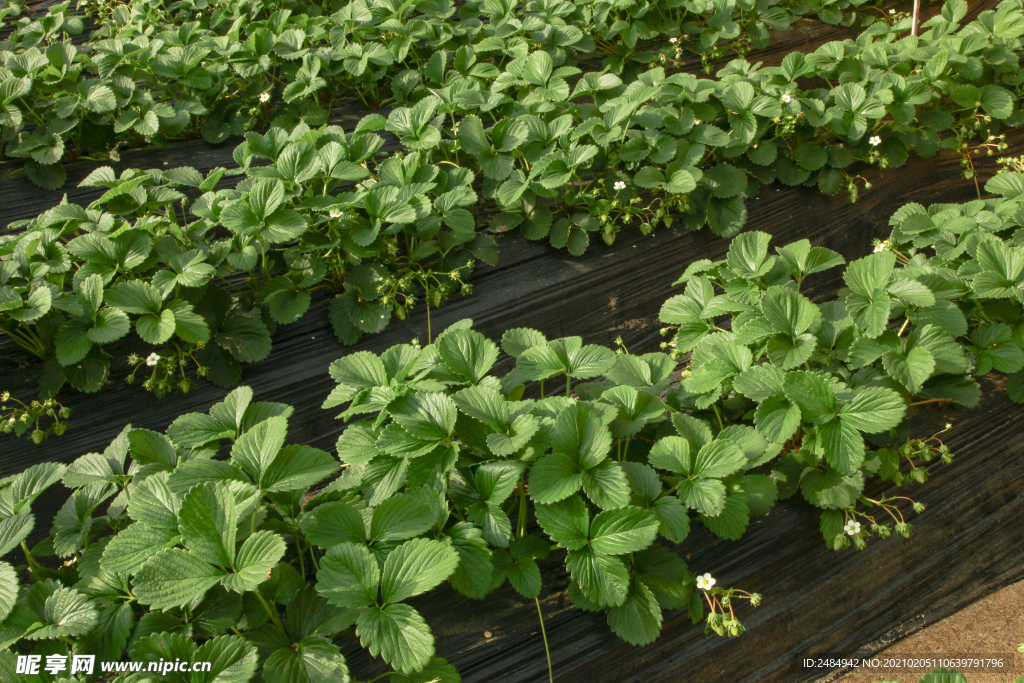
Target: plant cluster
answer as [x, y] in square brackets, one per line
[206, 282]
[936, 306]
[19, 418]
[608, 153]
[450, 473]
[154, 72]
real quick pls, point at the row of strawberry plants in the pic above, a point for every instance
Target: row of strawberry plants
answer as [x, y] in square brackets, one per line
[447, 473]
[151, 73]
[645, 152]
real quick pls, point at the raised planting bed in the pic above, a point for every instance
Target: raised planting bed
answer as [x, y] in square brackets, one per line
[609, 292]
[383, 253]
[824, 601]
[967, 544]
[537, 480]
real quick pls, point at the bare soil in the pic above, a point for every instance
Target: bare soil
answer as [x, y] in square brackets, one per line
[993, 625]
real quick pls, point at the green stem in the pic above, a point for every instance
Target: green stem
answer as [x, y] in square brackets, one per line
[302, 564]
[377, 678]
[28, 556]
[542, 388]
[544, 634]
[274, 616]
[718, 414]
[522, 505]
[568, 385]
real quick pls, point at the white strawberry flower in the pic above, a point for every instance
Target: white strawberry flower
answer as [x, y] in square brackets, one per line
[706, 582]
[892, 11]
[696, 122]
[153, 359]
[882, 246]
[114, 156]
[673, 40]
[146, 138]
[619, 185]
[264, 97]
[874, 141]
[335, 213]
[852, 528]
[786, 98]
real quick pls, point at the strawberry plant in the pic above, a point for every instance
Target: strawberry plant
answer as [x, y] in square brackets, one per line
[404, 232]
[212, 72]
[448, 472]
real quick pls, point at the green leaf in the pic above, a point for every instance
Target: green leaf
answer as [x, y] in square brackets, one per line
[867, 275]
[606, 485]
[516, 341]
[553, 477]
[332, 523]
[152, 448]
[258, 555]
[8, 589]
[437, 671]
[349, 576]
[718, 459]
[14, 530]
[60, 613]
[428, 417]
[476, 567]
[811, 393]
[731, 523]
[298, 468]
[257, 449]
[707, 496]
[208, 523]
[398, 518]
[233, 659]
[777, 419]
[604, 580]
[128, 551]
[748, 254]
[314, 660]
[397, 633]
[134, 296]
[173, 578]
[154, 504]
[843, 446]
[789, 311]
[638, 619]
[580, 433]
[415, 567]
[874, 410]
[809, 156]
[567, 522]
[625, 530]
[725, 181]
[831, 490]
[911, 370]
[762, 492]
[285, 301]
[468, 354]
